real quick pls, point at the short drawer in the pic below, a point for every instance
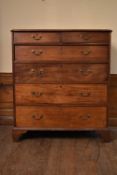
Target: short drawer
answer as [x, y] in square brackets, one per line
[36, 37]
[63, 73]
[83, 54]
[61, 117]
[85, 37]
[80, 94]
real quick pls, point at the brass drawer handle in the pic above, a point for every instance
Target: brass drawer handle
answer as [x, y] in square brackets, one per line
[85, 37]
[85, 94]
[85, 117]
[38, 117]
[36, 37]
[33, 70]
[37, 53]
[36, 94]
[86, 52]
[41, 72]
[85, 72]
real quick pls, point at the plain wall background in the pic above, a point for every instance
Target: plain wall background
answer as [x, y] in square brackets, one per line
[52, 14]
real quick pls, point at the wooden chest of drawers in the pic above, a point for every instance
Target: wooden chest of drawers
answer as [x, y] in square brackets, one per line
[60, 80]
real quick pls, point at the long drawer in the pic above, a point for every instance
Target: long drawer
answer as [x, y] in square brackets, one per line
[84, 54]
[61, 117]
[80, 94]
[61, 73]
[63, 37]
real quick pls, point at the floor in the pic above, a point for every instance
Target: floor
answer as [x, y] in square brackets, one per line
[79, 153]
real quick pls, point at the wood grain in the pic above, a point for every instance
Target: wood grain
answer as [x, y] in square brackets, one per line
[38, 37]
[113, 100]
[6, 98]
[74, 94]
[56, 37]
[85, 37]
[57, 154]
[6, 94]
[5, 107]
[6, 78]
[84, 54]
[61, 117]
[63, 73]
[57, 90]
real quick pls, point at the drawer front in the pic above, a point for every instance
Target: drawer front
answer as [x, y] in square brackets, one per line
[79, 94]
[65, 37]
[61, 117]
[69, 73]
[36, 37]
[84, 54]
[85, 37]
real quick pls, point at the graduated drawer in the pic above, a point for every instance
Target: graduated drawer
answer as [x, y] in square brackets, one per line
[96, 54]
[61, 73]
[36, 37]
[85, 37]
[61, 117]
[81, 94]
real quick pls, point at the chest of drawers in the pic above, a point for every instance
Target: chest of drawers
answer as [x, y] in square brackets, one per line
[60, 80]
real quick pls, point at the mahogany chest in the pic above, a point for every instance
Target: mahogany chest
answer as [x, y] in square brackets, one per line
[61, 80]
